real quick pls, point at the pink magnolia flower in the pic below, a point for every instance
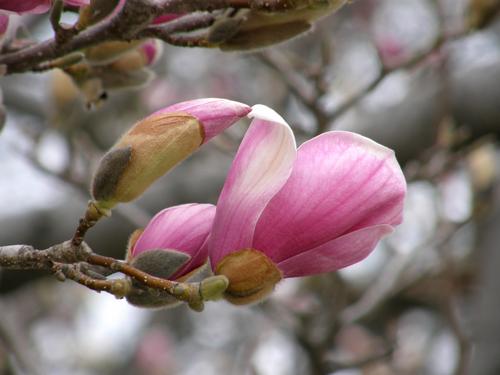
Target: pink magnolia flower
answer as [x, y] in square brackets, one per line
[184, 228]
[286, 212]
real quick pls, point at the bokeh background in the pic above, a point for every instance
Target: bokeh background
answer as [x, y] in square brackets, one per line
[409, 74]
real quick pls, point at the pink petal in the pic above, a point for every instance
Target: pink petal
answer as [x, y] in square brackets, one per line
[183, 228]
[152, 50]
[77, 3]
[262, 165]
[340, 182]
[338, 253]
[215, 114]
[25, 6]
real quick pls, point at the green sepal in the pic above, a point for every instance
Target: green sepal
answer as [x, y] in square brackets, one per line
[159, 263]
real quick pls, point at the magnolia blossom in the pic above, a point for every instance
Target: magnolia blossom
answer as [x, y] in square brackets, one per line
[283, 212]
[286, 212]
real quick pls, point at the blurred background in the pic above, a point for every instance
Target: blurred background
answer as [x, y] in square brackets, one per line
[408, 73]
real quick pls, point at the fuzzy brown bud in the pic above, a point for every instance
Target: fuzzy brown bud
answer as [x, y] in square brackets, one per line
[251, 274]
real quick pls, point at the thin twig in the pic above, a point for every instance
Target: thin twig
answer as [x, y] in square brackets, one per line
[396, 276]
[184, 24]
[118, 287]
[309, 95]
[130, 20]
[125, 23]
[68, 261]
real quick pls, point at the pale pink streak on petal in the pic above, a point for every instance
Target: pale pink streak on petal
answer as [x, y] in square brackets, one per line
[262, 165]
[338, 253]
[183, 228]
[215, 114]
[340, 182]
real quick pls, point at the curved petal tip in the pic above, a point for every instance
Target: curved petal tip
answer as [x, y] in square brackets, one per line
[263, 112]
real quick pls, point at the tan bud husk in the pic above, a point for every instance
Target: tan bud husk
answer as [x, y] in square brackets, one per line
[156, 145]
[257, 28]
[132, 60]
[131, 243]
[128, 71]
[107, 52]
[265, 36]
[251, 274]
[224, 29]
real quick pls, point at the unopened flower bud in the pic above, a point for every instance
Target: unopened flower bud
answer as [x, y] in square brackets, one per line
[145, 153]
[107, 52]
[156, 144]
[260, 27]
[146, 54]
[251, 274]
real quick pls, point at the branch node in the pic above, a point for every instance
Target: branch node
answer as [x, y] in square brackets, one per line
[92, 215]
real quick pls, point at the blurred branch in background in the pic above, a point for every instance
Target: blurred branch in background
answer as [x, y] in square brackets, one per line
[307, 82]
[13, 340]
